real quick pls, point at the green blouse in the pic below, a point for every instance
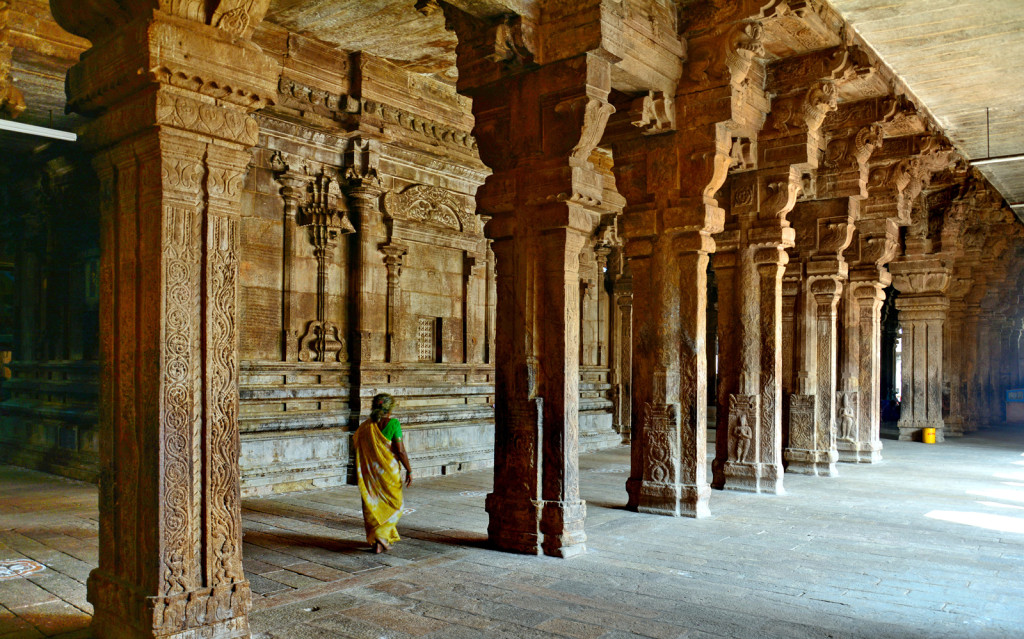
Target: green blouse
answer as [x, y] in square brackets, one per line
[393, 430]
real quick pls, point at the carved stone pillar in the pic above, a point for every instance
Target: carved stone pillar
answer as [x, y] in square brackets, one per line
[669, 393]
[727, 264]
[601, 254]
[863, 443]
[711, 342]
[771, 265]
[972, 353]
[622, 349]
[812, 442]
[954, 365]
[490, 294]
[749, 450]
[171, 157]
[393, 255]
[514, 504]
[922, 310]
[545, 197]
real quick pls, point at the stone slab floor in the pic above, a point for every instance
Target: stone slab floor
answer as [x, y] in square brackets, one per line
[929, 543]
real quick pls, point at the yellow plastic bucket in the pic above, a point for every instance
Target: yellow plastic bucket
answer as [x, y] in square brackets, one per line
[928, 435]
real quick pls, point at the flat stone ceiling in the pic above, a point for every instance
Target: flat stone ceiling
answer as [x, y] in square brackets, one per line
[957, 57]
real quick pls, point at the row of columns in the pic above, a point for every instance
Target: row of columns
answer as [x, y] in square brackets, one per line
[171, 152]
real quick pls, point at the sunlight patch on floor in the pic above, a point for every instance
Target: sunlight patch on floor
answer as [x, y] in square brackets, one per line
[1014, 476]
[1001, 523]
[996, 504]
[1005, 494]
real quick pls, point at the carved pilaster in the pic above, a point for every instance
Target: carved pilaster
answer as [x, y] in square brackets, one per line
[172, 161]
[364, 193]
[293, 191]
[393, 256]
[474, 269]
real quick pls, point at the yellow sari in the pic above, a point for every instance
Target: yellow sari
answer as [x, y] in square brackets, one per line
[380, 484]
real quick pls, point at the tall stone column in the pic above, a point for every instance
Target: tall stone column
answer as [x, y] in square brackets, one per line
[601, 254]
[972, 354]
[711, 341]
[546, 199]
[171, 155]
[513, 505]
[865, 445]
[954, 349]
[922, 310]
[812, 448]
[771, 265]
[622, 347]
[749, 438]
[730, 291]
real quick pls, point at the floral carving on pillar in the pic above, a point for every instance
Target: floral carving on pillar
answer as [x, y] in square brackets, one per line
[172, 162]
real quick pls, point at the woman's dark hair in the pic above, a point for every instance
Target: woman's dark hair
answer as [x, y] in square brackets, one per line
[381, 406]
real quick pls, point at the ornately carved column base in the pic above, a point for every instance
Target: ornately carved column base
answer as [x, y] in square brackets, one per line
[215, 613]
[514, 524]
[819, 463]
[751, 478]
[912, 431]
[673, 500]
[562, 526]
[859, 452]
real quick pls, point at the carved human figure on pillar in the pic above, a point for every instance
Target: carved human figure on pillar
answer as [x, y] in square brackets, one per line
[743, 436]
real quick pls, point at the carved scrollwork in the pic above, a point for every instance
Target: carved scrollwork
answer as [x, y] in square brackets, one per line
[727, 58]
[429, 204]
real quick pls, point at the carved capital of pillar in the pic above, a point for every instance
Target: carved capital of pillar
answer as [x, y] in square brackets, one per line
[927, 277]
[183, 61]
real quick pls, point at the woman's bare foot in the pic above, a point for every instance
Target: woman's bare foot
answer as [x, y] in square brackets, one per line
[378, 547]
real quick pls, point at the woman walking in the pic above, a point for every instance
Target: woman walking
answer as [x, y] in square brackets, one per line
[379, 448]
